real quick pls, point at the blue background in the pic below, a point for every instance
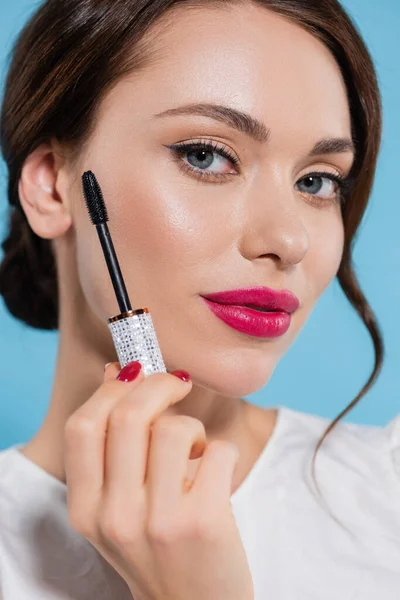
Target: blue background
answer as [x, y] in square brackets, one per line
[332, 357]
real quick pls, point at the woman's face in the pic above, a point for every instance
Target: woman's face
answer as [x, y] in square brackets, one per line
[187, 224]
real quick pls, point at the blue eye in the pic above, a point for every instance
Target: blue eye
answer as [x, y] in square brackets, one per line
[203, 159]
[322, 185]
[206, 158]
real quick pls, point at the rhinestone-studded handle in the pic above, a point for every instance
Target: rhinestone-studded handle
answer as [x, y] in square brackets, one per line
[135, 339]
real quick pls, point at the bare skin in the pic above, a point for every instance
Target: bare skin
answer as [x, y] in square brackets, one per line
[178, 236]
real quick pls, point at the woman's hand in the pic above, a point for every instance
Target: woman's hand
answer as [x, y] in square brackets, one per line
[126, 467]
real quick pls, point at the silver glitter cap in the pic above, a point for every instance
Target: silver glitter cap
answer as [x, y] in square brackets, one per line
[134, 338]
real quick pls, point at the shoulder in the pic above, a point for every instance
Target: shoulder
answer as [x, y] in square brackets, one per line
[354, 439]
[353, 450]
[357, 466]
[9, 461]
[11, 478]
[8, 464]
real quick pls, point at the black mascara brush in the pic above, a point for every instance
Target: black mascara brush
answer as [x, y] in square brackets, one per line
[133, 330]
[99, 217]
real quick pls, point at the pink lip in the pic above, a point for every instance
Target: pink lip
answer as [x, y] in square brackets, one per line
[229, 307]
[263, 297]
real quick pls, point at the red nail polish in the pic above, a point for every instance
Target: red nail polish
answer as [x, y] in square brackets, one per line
[184, 375]
[130, 371]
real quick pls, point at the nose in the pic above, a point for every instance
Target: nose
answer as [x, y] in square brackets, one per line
[273, 225]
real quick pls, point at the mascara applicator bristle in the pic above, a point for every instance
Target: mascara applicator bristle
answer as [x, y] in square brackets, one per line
[94, 199]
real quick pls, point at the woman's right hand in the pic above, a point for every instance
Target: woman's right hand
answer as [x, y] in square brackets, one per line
[126, 465]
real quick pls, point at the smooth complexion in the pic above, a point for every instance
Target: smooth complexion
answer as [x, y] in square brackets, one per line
[179, 233]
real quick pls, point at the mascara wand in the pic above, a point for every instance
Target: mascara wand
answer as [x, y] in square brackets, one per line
[132, 331]
[99, 217]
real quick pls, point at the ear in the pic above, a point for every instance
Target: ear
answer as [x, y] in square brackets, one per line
[41, 193]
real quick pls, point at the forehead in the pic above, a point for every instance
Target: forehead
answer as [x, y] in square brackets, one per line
[243, 56]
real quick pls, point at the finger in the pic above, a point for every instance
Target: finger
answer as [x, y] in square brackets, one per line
[129, 432]
[171, 443]
[213, 481]
[84, 441]
[111, 370]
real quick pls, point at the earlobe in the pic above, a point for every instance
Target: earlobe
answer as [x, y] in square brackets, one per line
[46, 209]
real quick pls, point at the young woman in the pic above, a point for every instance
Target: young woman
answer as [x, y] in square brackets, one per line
[235, 143]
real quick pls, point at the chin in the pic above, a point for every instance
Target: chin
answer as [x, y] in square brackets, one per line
[237, 379]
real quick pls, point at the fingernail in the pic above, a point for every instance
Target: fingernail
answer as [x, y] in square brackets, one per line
[184, 375]
[107, 365]
[130, 371]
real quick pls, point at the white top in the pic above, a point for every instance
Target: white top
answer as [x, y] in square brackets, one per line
[296, 551]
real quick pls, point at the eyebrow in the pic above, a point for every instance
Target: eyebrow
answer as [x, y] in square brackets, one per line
[252, 127]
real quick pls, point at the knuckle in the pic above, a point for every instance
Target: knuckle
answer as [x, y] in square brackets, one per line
[166, 427]
[177, 425]
[205, 526]
[116, 529]
[127, 413]
[162, 532]
[79, 425]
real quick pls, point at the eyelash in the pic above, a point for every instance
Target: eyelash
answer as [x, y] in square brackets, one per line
[344, 183]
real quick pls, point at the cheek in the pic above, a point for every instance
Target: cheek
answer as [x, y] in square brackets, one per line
[324, 257]
[93, 274]
[166, 231]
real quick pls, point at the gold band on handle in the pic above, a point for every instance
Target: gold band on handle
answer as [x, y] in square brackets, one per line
[125, 315]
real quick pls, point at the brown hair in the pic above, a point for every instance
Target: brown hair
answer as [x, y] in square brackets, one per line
[85, 47]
